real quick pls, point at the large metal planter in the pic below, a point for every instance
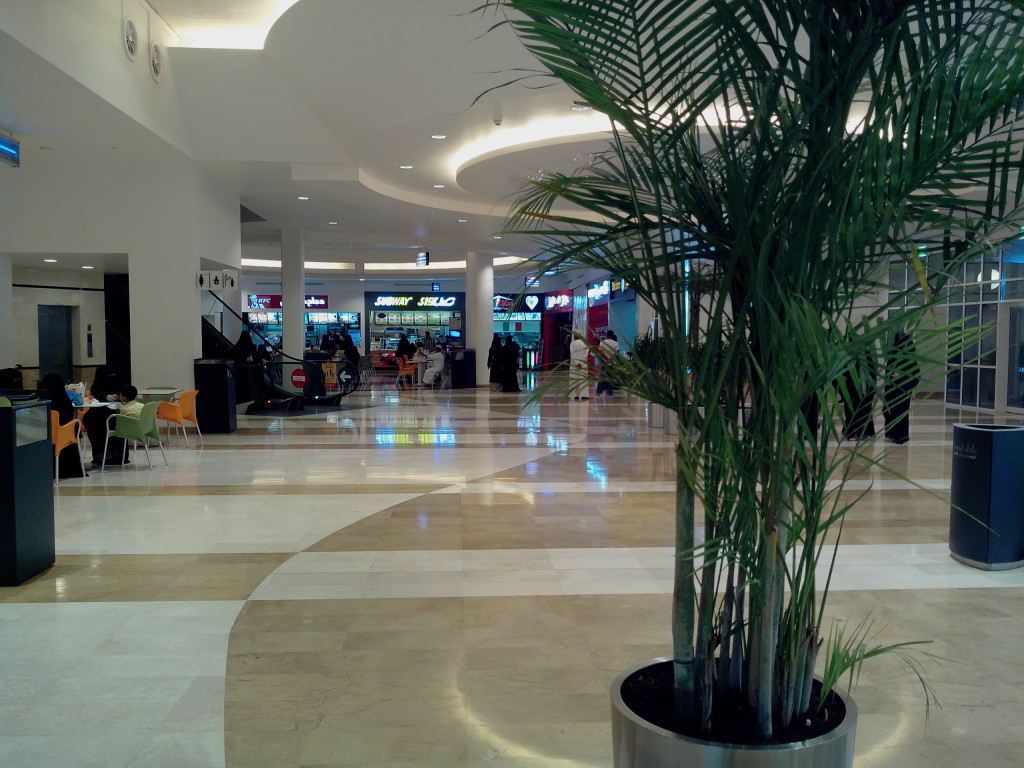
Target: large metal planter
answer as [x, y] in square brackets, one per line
[639, 744]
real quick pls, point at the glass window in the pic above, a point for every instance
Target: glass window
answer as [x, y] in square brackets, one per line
[969, 387]
[988, 341]
[987, 388]
[953, 387]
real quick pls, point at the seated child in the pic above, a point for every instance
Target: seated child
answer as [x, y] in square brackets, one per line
[132, 406]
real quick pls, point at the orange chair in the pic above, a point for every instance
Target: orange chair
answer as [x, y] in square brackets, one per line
[63, 435]
[406, 370]
[180, 412]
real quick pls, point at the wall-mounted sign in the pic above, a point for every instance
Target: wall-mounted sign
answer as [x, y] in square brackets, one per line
[599, 291]
[10, 151]
[435, 287]
[274, 301]
[558, 302]
[516, 317]
[423, 259]
[505, 303]
[264, 301]
[532, 281]
[412, 301]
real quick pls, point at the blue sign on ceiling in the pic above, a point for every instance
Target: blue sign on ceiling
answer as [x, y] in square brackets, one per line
[10, 151]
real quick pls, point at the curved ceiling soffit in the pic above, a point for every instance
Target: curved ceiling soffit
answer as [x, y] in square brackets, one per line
[260, 19]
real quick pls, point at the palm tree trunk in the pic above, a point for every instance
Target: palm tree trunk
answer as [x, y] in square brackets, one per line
[683, 597]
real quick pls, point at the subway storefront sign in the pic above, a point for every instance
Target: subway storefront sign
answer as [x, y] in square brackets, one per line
[413, 301]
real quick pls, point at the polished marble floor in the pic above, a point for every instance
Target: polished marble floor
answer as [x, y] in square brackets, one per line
[448, 580]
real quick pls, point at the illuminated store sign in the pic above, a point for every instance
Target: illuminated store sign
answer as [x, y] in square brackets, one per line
[516, 317]
[412, 301]
[10, 151]
[558, 301]
[274, 301]
[599, 290]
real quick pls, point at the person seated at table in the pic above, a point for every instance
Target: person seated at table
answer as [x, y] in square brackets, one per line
[52, 388]
[130, 403]
[435, 364]
[106, 388]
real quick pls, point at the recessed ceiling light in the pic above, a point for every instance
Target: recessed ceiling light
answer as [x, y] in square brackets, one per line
[503, 253]
[439, 136]
[303, 197]
[50, 261]
[497, 237]
[406, 167]
[86, 266]
[439, 186]
[463, 221]
[332, 222]
[579, 108]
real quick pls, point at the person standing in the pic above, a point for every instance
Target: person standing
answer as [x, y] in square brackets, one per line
[902, 375]
[579, 359]
[860, 384]
[606, 351]
[494, 364]
[510, 366]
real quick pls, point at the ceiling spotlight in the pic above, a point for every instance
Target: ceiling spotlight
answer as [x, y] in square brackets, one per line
[438, 136]
[50, 261]
[439, 186]
[406, 167]
[579, 106]
[86, 266]
[332, 222]
[303, 197]
[497, 237]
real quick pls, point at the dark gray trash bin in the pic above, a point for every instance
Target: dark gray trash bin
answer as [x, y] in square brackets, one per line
[986, 517]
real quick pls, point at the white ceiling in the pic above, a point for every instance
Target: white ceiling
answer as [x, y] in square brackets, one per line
[341, 94]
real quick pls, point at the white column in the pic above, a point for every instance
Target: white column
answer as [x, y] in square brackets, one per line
[479, 310]
[293, 290]
[7, 336]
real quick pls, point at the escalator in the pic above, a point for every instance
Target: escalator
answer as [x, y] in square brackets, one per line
[286, 383]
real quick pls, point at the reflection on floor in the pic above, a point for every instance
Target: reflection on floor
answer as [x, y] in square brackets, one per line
[435, 579]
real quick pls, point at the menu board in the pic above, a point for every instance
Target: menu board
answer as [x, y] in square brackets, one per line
[420, 318]
[434, 318]
[408, 318]
[394, 318]
[348, 317]
[322, 318]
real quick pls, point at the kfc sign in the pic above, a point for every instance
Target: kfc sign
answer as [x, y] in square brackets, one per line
[274, 301]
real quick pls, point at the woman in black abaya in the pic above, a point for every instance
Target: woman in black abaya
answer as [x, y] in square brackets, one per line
[51, 386]
[902, 375]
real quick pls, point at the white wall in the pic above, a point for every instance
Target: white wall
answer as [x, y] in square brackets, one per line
[161, 210]
[83, 292]
[8, 339]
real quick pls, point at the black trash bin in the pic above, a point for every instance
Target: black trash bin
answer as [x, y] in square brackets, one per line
[463, 368]
[216, 404]
[986, 518]
[27, 539]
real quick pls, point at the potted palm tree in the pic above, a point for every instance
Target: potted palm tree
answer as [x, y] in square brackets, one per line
[786, 154]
